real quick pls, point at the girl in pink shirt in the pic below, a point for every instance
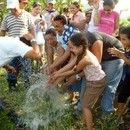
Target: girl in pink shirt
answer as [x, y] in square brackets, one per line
[107, 19]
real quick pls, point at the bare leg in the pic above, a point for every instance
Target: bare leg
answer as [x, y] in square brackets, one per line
[88, 118]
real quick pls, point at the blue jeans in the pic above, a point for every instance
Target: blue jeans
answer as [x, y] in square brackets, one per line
[27, 67]
[113, 70]
[83, 85]
[18, 63]
[76, 87]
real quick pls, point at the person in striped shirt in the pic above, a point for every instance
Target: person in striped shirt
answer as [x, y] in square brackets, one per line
[17, 23]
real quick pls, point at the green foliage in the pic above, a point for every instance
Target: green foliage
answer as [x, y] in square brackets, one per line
[125, 22]
[5, 123]
[69, 121]
[3, 10]
[106, 122]
[60, 4]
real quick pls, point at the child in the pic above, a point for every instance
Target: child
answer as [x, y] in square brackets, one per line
[107, 19]
[88, 14]
[124, 92]
[87, 62]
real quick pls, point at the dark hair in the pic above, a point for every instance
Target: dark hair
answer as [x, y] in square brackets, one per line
[79, 39]
[65, 10]
[88, 12]
[125, 30]
[60, 18]
[110, 3]
[24, 40]
[50, 31]
[35, 4]
[77, 5]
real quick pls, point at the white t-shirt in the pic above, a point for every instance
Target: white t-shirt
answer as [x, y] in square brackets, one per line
[48, 15]
[37, 28]
[11, 47]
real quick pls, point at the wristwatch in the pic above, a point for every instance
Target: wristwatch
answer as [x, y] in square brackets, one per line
[33, 40]
[78, 77]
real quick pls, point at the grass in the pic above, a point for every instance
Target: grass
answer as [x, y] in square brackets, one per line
[68, 122]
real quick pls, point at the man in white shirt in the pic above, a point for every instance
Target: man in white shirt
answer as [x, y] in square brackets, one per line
[12, 47]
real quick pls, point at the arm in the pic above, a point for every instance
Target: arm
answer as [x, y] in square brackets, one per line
[97, 17]
[9, 68]
[81, 65]
[50, 55]
[97, 14]
[115, 52]
[97, 49]
[60, 52]
[116, 27]
[72, 79]
[68, 66]
[34, 44]
[32, 54]
[62, 59]
[2, 32]
[80, 24]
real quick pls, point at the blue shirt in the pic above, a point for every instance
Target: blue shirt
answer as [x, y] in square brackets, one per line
[63, 39]
[127, 67]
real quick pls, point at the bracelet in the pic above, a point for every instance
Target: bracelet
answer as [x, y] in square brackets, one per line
[33, 40]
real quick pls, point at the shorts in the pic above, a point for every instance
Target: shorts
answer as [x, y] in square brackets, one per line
[92, 92]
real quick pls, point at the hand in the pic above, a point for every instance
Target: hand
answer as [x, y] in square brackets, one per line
[70, 80]
[42, 22]
[55, 75]
[52, 18]
[49, 83]
[52, 69]
[10, 68]
[37, 21]
[114, 52]
[96, 4]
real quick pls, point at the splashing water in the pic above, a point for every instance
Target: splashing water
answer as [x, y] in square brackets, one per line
[42, 105]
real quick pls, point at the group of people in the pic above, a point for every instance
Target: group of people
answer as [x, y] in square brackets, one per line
[81, 48]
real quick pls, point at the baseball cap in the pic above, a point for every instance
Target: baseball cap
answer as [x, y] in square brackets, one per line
[11, 4]
[51, 1]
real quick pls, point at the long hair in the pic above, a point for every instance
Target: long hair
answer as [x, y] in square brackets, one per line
[110, 3]
[78, 39]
